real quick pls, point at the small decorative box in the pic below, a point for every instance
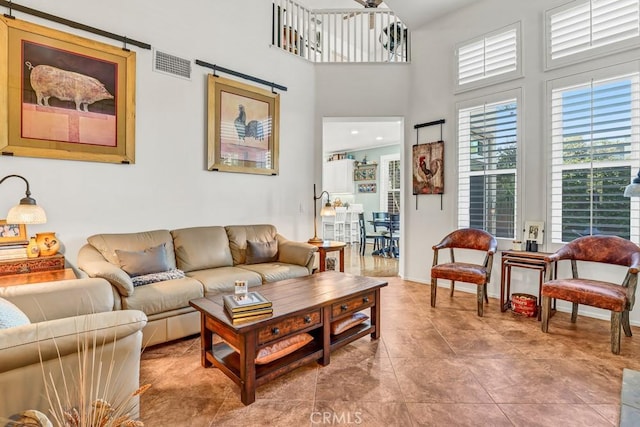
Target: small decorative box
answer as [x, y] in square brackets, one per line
[524, 304]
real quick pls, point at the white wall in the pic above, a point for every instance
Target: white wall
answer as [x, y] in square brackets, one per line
[169, 185]
[433, 74]
[361, 90]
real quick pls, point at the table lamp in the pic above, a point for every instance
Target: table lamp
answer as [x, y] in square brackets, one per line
[27, 211]
[327, 210]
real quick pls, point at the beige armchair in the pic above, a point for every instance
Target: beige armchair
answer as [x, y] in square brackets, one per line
[69, 319]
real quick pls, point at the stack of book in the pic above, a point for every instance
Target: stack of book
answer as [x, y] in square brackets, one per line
[247, 308]
[13, 252]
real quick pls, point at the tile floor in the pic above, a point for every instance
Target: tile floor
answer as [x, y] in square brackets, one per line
[440, 366]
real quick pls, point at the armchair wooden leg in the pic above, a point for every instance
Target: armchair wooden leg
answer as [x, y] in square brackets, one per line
[486, 294]
[453, 285]
[574, 312]
[434, 289]
[625, 323]
[546, 308]
[616, 317]
[480, 300]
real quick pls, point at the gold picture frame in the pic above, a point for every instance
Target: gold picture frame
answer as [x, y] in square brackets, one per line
[243, 127]
[12, 234]
[43, 114]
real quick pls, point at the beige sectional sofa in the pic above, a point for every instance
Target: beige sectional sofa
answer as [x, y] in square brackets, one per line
[62, 316]
[212, 258]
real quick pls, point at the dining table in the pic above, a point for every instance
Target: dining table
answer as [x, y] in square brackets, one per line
[391, 231]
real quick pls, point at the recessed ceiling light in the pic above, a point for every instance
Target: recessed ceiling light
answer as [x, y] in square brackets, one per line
[354, 132]
[378, 138]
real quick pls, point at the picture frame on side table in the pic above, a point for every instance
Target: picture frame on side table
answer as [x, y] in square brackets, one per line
[65, 97]
[243, 127]
[12, 234]
[534, 231]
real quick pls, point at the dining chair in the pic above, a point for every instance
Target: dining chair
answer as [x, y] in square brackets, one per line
[478, 274]
[617, 297]
[380, 219]
[378, 239]
[352, 226]
[392, 236]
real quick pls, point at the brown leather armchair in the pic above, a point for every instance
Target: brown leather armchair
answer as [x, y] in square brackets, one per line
[618, 298]
[466, 238]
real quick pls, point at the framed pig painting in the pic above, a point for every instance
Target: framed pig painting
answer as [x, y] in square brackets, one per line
[64, 96]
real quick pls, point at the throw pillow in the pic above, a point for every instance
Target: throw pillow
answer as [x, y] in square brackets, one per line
[137, 263]
[339, 326]
[11, 316]
[258, 252]
[145, 279]
[282, 348]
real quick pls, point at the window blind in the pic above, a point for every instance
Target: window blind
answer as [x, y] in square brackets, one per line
[594, 154]
[591, 24]
[492, 55]
[487, 157]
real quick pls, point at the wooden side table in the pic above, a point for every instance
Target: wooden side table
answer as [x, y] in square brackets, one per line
[37, 277]
[330, 246]
[523, 259]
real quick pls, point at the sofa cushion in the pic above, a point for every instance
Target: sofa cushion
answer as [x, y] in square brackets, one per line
[163, 296]
[107, 244]
[199, 248]
[222, 279]
[147, 261]
[11, 316]
[145, 279]
[274, 271]
[239, 235]
[258, 252]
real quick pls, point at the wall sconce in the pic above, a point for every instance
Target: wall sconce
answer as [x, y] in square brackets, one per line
[633, 189]
[27, 211]
[327, 210]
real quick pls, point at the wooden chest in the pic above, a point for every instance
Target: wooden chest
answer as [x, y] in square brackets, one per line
[31, 265]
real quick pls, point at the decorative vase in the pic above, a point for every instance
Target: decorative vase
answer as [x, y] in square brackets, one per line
[33, 250]
[48, 243]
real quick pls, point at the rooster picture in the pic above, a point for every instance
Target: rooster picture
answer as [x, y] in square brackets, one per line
[428, 168]
[253, 129]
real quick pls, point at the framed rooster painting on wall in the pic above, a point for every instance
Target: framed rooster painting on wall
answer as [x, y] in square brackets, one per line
[428, 168]
[65, 97]
[243, 127]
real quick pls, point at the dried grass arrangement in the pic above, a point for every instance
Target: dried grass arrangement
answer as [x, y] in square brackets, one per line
[80, 399]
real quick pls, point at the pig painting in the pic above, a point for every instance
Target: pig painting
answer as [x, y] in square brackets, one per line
[48, 81]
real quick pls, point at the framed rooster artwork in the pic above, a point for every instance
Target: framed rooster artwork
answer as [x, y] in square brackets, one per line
[428, 168]
[243, 127]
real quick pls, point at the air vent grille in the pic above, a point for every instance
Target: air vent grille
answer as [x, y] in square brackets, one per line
[171, 64]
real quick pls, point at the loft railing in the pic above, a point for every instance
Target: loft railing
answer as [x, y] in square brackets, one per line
[354, 35]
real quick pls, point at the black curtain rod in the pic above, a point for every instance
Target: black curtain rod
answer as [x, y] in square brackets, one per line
[436, 122]
[14, 6]
[241, 75]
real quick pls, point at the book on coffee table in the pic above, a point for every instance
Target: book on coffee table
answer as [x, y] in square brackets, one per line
[251, 318]
[249, 302]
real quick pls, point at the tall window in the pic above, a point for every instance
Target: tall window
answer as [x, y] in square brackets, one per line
[594, 154]
[489, 58]
[585, 28]
[487, 157]
[390, 183]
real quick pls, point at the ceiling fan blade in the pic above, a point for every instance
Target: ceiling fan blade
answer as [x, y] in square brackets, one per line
[351, 15]
[362, 2]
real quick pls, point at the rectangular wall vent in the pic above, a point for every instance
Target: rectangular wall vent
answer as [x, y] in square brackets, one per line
[171, 64]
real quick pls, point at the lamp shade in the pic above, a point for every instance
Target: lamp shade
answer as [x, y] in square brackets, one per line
[327, 210]
[26, 214]
[633, 189]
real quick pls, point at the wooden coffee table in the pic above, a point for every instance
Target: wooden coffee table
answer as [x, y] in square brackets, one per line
[308, 304]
